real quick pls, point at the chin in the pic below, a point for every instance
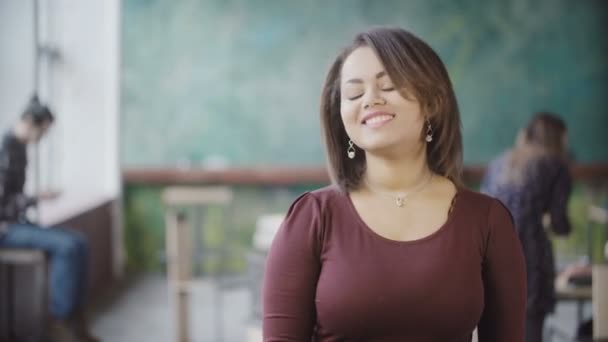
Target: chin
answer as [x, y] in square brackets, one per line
[379, 148]
[388, 147]
[379, 142]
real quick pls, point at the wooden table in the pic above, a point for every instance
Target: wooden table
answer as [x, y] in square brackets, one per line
[570, 293]
[578, 294]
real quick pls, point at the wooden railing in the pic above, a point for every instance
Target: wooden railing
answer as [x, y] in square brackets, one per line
[284, 176]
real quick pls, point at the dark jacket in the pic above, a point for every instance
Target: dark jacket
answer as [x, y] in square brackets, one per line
[545, 188]
[13, 164]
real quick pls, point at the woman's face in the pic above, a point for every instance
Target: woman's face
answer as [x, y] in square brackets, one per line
[376, 116]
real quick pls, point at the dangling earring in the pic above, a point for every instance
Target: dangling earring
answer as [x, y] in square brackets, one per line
[429, 131]
[350, 151]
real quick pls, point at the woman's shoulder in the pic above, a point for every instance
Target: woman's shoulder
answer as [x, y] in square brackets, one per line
[328, 193]
[485, 210]
[329, 197]
[479, 203]
[475, 198]
[318, 199]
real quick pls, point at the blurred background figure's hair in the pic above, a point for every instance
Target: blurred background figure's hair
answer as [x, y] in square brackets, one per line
[37, 112]
[546, 131]
[543, 136]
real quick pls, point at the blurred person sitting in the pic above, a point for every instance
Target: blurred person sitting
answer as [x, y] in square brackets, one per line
[533, 180]
[67, 250]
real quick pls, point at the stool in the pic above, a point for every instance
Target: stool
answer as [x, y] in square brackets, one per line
[180, 251]
[25, 312]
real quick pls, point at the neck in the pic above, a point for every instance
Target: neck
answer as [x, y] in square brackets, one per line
[396, 175]
[21, 132]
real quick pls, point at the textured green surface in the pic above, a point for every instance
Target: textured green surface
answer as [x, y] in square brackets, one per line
[215, 230]
[232, 227]
[576, 245]
[239, 81]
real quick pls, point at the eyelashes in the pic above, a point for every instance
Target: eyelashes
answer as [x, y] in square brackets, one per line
[352, 98]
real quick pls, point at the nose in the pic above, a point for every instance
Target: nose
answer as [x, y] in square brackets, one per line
[374, 100]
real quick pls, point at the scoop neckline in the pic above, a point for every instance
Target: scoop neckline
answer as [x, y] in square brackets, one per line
[456, 199]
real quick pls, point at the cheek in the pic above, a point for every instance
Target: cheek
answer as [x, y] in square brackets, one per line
[411, 112]
[348, 111]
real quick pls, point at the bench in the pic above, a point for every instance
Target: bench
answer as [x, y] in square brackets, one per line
[25, 312]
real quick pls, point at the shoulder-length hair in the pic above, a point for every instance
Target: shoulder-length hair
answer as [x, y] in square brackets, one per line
[417, 71]
[543, 136]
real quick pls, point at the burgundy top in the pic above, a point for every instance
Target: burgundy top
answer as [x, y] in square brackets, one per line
[329, 277]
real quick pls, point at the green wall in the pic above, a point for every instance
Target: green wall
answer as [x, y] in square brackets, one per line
[239, 81]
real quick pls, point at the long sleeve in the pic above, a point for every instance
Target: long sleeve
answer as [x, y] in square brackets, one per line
[292, 271]
[504, 277]
[4, 164]
[560, 223]
[13, 162]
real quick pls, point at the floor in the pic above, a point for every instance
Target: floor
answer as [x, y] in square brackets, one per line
[140, 311]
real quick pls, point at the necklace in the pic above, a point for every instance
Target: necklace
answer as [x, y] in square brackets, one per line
[401, 197]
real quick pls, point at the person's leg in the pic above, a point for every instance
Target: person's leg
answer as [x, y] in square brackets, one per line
[80, 248]
[534, 327]
[67, 251]
[80, 321]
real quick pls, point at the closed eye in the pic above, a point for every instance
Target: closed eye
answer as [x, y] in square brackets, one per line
[355, 97]
[388, 89]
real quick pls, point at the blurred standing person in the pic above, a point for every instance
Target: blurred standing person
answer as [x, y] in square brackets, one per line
[533, 180]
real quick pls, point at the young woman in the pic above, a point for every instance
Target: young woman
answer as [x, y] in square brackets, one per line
[396, 249]
[533, 179]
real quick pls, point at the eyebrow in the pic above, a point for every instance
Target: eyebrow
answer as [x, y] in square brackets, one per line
[358, 80]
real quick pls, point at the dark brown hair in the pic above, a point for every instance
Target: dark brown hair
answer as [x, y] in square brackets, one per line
[38, 113]
[546, 131]
[542, 136]
[417, 70]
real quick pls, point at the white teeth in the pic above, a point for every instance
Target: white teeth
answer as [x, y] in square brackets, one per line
[377, 119]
